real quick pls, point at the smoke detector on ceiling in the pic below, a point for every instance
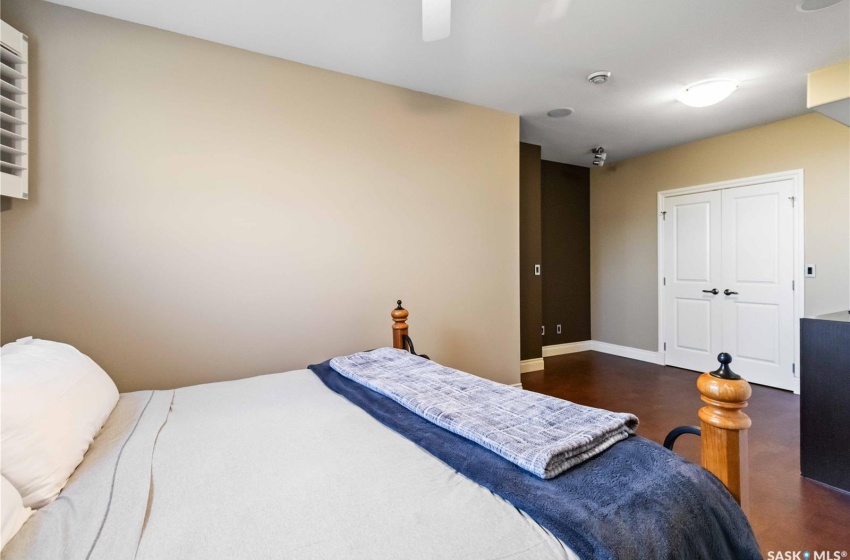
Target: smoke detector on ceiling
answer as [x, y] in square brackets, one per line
[598, 78]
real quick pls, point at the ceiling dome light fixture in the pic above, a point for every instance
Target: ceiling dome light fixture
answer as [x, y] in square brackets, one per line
[708, 92]
[598, 78]
[560, 112]
[815, 5]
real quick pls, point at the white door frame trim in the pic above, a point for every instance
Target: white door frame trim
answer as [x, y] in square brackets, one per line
[796, 176]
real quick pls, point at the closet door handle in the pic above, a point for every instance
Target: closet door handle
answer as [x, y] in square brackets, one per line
[711, 291]
[729, 292]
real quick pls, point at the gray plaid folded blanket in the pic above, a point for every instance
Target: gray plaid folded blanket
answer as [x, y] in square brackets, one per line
[543, 435]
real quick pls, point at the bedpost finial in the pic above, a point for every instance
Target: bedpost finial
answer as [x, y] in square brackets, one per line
[724, 371]
[724, 427]
[399, 314]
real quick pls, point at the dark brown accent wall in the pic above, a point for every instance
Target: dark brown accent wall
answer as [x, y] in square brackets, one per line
[565, 218]
[530, 252]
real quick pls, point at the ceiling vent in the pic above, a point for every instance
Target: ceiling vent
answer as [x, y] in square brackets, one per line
[815, 5]
[560, 112]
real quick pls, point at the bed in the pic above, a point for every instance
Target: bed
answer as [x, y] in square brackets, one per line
[298, 465]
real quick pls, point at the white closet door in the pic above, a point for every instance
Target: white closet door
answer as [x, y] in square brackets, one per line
[692, 257]
[758, 298]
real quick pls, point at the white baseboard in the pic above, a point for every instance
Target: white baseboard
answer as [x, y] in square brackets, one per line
[517, 385]
[629, 352]
[535, 364]
[568, 348]
[605, 347]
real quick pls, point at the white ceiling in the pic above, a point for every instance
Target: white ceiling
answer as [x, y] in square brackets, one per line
[529, 56]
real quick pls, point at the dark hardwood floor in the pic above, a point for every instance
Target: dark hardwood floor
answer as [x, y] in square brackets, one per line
[787, 511]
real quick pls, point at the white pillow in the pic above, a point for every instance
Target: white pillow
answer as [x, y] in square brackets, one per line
[13, 511]
[55, 399]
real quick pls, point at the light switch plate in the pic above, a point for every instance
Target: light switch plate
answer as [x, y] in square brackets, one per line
[811, 271]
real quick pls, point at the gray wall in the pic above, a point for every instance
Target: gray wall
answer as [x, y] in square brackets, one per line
[623, 217]
[203, 213]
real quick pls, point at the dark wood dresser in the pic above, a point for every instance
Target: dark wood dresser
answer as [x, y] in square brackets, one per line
[825, 399]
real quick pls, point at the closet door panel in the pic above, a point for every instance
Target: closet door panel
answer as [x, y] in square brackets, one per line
[692, 271]
[758, 299]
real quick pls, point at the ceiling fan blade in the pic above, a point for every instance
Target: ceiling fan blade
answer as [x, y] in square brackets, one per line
[436, 19]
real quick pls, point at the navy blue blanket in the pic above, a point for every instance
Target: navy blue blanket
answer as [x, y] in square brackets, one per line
[636, 500]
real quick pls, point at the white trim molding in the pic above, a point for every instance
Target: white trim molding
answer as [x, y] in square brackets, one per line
[629, 352]
[605, 348]
[568, 348]
[535, 364]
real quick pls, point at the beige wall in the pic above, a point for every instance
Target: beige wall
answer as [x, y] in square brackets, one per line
[203, 213]
[829, 84]
[624, 263]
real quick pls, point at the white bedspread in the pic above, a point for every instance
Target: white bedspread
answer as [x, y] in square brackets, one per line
[275, 466]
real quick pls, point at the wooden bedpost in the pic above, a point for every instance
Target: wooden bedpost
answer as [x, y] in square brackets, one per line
[399, 315]
[724, 427]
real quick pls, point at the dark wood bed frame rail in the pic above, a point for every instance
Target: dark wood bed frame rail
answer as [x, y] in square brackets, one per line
[723, 425]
